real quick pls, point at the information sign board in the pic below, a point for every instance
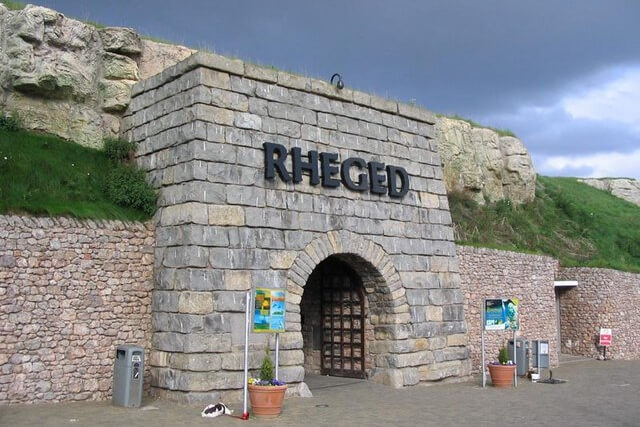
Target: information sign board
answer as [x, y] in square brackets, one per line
[605, 337]
[501, 314]
[269, 310]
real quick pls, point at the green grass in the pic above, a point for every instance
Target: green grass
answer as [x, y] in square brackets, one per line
[13, 5]
[501, 132]
[45, 175]
[571, 221]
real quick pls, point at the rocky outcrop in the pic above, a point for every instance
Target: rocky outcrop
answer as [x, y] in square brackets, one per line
[625, 188]
[68, 78]
[483, 164]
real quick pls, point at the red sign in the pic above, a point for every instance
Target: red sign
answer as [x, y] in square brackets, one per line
[605, 337]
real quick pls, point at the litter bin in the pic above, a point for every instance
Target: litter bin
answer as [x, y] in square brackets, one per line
[128, 371]
[522, 353]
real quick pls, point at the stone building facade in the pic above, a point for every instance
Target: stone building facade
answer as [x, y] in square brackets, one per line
[225, 228]
[70, 292]
[490, 273]
[603, 298]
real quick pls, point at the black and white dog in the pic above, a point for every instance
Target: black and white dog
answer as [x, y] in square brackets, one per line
[212, 411]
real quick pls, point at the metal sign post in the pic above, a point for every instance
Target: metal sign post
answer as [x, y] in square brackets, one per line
[247, 320]
[277, 354]
[515, 358]
[484, 368]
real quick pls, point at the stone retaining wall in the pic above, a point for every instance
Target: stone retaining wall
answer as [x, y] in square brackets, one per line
[603, 299]
[70, 291]
[489, 273]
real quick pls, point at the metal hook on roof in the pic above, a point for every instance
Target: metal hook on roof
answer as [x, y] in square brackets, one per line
[339, 83]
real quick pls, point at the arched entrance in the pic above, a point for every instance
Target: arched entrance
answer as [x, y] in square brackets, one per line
[334, 320]
[386, 311]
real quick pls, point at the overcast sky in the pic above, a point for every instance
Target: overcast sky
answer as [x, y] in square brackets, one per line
[563, 75]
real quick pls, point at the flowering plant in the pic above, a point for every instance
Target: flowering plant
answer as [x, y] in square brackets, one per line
[266, 374]
[503, 358]
[256, 381]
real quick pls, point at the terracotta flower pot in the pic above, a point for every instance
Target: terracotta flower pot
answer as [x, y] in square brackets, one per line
[266, 400]
[502, 375]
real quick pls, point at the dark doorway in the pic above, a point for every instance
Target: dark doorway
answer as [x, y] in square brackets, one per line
[333, 318]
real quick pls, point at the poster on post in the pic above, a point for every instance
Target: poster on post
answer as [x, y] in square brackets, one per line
[605, 337]
[269, 310]
[501, 314]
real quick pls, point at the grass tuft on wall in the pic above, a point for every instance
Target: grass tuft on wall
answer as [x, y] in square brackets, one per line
[45, 175]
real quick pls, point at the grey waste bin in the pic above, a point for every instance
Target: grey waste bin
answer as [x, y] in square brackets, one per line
[128, 371]
[543, 346]
[522, 353]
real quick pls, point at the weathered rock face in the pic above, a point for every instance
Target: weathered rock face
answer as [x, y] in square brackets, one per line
[483, 164]
[70, 79]
[625, 188]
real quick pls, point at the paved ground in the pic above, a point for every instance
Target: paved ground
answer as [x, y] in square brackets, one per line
[596, 394]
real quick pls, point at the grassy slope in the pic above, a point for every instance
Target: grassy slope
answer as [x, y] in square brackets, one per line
[571, 221]
[45, 175]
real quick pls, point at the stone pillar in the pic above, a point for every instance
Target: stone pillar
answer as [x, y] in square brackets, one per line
[223, 228]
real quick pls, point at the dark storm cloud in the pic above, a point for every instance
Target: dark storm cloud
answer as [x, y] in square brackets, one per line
[479, 59]
[453, 56]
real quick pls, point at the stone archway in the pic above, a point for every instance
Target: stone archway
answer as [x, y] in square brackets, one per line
[386, 304]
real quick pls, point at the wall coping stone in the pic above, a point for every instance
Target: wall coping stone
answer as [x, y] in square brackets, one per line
[504, 252]
[69, 222]
[281, 78]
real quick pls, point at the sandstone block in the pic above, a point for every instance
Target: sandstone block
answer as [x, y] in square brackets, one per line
[185, 213]
[119, 67]
[229, 301]
[165, 301]
[217, 323]
[172, 322]
[248, 121]
[195, 302]
[435, 313]
[445, 296]
[410, 376]
[457, 340]
[120, 40]
[185, 256]
[439, 371]
[194, 279]
[225, 215]
[237, 280]
[388, 376]
[235, 361]
[168, 341]
[195, 361]
[261, 73]
[207, 343]
[158, 358]
[282, 259]
[115, 95]
[291, 374]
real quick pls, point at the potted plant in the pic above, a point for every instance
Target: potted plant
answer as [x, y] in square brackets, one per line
[503, 371]
[266, 393]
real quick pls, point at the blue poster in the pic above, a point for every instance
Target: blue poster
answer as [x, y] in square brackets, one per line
[501, 314]
[269, 310]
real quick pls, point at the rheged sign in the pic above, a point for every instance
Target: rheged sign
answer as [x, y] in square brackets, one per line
[324, 169]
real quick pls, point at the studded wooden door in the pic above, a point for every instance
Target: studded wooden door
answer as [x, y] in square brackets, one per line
[342, 322]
